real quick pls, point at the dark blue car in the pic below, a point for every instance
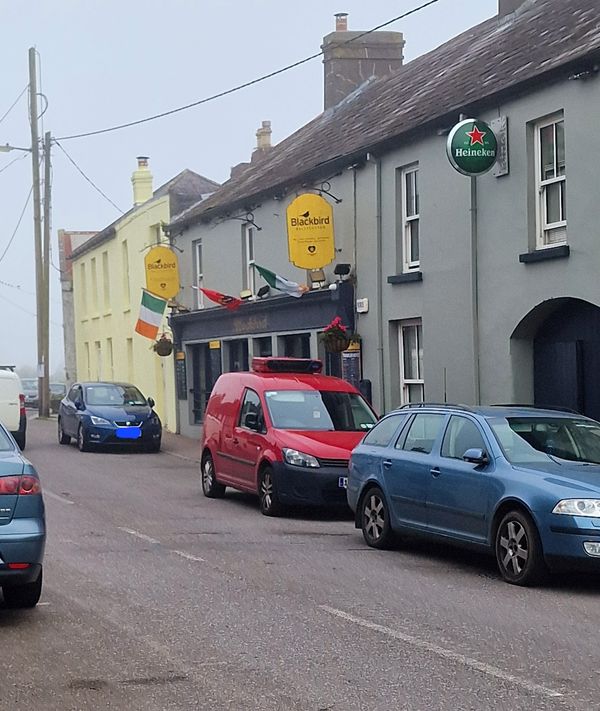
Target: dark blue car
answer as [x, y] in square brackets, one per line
[519, 482]
[22, 527]
[98, 413]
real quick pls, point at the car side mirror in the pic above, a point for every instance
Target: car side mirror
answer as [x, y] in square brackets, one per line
[79, 405]
[251, 421]
[476, 456]
[151, 402]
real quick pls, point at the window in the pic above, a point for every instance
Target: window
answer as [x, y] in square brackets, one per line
[411, 362]
[423, 433]
[251, 415]
[382, 433]
[125, 264]
[106, 279]
[410, 218]
[199, 270]
[94, 286]
[551, 182]
[84, 306]
[248, 276]
[87, 360]
[461, 434]
[111, 365]
[98, 349]
[130, 359]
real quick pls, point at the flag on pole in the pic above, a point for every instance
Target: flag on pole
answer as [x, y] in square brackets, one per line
[281, 283]
[229, 302]
[152, 309]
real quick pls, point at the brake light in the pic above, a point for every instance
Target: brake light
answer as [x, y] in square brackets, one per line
[20, 485]
[22, 404]
[18, 566]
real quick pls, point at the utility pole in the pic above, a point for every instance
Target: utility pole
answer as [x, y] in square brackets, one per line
[37, 217]
[45, 300]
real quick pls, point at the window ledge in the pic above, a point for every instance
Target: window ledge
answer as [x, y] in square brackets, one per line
[541, 255]
[405, 278]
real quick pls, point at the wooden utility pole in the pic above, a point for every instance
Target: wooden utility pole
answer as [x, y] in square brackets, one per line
[45, 300]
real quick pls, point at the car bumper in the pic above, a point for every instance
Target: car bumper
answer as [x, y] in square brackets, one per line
[312, 487]
[563, 539]
[21, 541]
[108, 436]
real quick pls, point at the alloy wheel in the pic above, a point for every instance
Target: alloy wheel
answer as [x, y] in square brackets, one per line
[208, 475]
[513, 547]
[266, 491]
[374, 517]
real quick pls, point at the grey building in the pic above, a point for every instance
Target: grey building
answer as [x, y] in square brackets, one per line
[461, 290]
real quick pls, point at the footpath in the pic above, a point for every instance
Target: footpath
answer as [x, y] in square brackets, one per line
[179, 446]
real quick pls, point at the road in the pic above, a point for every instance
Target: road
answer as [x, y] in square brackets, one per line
[157, 598]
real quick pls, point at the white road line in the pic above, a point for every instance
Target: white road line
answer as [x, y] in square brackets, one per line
[187, 556]
[137, 534]
[445, 653]
[57, 497]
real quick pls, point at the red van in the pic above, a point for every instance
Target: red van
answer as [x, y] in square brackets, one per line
[282, 431]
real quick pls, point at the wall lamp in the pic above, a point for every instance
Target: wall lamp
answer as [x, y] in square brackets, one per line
[263, 291]
[342, 270]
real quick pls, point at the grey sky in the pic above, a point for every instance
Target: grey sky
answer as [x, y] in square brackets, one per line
[109, 62]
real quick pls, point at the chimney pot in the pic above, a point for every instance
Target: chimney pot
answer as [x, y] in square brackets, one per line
[341, 21]
[141, 181]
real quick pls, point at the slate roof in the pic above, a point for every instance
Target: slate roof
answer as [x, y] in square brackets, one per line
[542, 41]
[184, 190]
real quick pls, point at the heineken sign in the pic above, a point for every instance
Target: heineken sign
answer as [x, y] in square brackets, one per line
[472, 147]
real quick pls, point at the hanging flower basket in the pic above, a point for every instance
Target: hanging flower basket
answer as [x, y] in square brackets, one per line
[335, 336]
[164, 345]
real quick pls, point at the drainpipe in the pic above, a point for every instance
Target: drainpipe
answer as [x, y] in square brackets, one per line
[475, 292]
[379, 270]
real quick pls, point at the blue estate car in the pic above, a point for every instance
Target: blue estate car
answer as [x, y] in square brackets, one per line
[22, 527]
[520, 482]
[108, 414]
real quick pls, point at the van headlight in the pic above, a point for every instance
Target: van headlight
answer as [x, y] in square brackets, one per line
[578, 507]
[299, 459]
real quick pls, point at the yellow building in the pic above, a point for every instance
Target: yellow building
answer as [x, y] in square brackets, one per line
[108, 278]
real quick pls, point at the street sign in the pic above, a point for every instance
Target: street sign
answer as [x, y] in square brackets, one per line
[472, 147]
[162, 272]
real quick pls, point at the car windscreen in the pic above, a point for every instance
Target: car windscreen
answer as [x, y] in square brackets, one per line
[58, 389]
[117, 395]
[319, 410]
[29, 384]
[530, 439]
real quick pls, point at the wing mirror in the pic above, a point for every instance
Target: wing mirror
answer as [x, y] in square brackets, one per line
[476, 456]
[151, 402]
[79, 405]
[251, 421]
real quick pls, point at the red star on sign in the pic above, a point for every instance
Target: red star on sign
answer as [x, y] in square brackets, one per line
[476, 135]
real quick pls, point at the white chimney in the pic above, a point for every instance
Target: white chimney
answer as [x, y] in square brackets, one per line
[142, 182]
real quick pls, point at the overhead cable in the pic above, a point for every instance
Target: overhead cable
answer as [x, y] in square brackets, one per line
[12, 237]
[14, 103]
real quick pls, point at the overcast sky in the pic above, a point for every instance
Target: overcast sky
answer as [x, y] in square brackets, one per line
[109, 62]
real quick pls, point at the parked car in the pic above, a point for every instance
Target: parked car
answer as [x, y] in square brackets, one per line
[57, 393]
[282, 431]
[12, 405]
[22, 527]
[30, 390]
[519, 482]
[104, 413]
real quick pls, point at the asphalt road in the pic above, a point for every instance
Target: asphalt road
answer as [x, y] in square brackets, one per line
[157, 598]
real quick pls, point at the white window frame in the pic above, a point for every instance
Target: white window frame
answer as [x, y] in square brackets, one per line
[199, 279]
[249, 280]
[405, 383]
[410, 213]
[543, 228]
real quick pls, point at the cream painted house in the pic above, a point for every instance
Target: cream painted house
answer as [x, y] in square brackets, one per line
[108, 278]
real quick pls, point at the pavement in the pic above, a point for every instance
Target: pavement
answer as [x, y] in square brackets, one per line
[181, 446]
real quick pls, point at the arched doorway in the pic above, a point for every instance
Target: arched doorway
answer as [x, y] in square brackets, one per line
[565, 338]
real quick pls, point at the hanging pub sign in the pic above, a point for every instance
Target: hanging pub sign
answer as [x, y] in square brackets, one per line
[472, 147]
[162, 272]
[310, 232]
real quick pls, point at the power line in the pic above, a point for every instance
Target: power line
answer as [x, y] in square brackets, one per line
[10, 241]
[14, 103]
[90, 181]
[14, 160]
[27, 311]
[245, 85]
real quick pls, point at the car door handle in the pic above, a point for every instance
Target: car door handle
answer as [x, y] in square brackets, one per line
[387, 463]
[236, 440]
[435, 471]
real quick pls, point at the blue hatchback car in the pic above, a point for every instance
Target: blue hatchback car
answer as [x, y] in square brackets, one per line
[102, 413]
[22, 527]
[520, 482]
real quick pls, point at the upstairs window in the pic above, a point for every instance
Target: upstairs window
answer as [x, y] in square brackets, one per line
[248, 274]
[199, 268]
[410, 218]
[551, 182]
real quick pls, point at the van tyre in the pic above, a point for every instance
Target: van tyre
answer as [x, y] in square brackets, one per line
[519, 553]
[267, 492]
[82, 443]
[62, 437]
[375, 519]
[210, 486]
[23, 596]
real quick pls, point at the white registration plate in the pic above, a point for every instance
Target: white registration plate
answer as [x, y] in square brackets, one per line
[343, 482]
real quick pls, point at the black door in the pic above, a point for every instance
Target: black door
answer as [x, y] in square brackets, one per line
[206, 368]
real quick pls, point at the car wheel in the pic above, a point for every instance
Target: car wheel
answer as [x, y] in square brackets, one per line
[269, 501]
[154, 447]
[82, 443]
[375, 519]
[210, 486]
[519, 550]
[20, 440]
[21, 596]
[62, 437]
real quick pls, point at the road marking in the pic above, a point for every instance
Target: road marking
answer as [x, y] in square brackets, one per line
[445, 653]
[137, 534]
[187, 556]
[57, 497]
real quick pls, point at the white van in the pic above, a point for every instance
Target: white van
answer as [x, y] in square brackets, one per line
[12, 405]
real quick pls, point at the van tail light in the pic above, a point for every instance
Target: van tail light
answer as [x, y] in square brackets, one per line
[20, 485]
[22, 404]
[18, 566]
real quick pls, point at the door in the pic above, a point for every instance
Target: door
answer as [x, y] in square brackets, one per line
[407, 470]
[249, 440]
[69, 418]
[206, 368]
[558, 375]
[457, 501]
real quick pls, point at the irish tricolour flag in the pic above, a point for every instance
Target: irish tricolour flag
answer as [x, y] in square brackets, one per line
[151, 315]
[281, 283]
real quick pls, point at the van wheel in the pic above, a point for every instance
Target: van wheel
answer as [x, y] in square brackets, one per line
[269, 501]
[23, 596]
[62, 437]
[210, 486]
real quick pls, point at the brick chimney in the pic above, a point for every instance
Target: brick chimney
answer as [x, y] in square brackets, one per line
[350, 64]
[142, 182]
[263, 141]
[505, 7]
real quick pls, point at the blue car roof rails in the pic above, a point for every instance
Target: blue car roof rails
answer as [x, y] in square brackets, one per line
[538, 407]
[446, 405]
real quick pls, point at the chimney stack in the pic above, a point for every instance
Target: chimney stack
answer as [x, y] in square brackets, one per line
[142, 182]
[263, 141]
[350, 59]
